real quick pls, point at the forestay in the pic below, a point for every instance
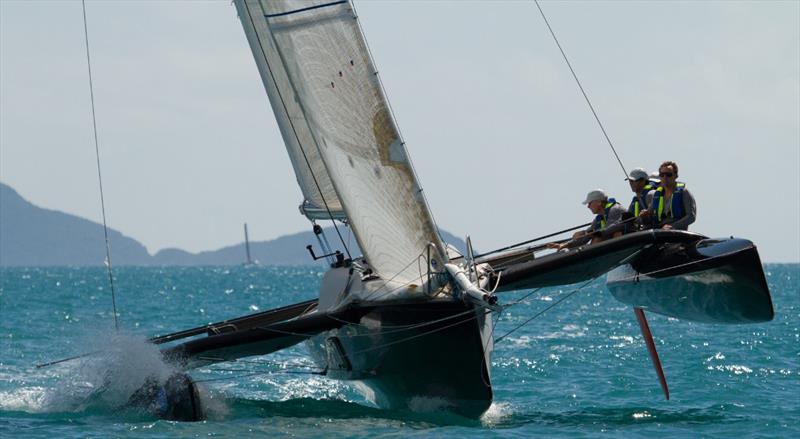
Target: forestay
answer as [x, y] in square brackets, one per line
[328, 86]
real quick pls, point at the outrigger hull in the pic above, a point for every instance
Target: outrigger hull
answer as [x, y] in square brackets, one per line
[707, 281]
[521, 269]
[671, 272]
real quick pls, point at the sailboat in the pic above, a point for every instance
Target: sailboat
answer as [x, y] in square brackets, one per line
[409, 319]
[353, 168]
[249, 261]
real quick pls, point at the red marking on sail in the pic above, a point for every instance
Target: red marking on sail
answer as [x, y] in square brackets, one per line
[651, 348]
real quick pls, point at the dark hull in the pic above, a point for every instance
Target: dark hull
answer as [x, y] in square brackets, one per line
[708, 281]
[521, 270]
[255, 334]
[671, 272]
[409, 354]
[432, 355]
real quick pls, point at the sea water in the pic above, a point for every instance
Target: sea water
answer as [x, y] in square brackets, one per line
[580, 369]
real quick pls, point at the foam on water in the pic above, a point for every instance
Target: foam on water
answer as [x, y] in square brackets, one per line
[107, 379]
[102, 381]
[496, 414]
[306, 387]
[25, 399]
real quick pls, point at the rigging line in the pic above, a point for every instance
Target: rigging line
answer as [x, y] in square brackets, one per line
[99, 175]
[397, 328]
[619, 280]
[399, 287]
[685, 264]
[63, 360]
[303, 369]
[264, 362]
[505, 307]
[518, 301]
[393, 327]
[525, 253]
[585, 96]
[402, 328]
[476, 314]
[386, 282]
[291, 123]
[529, 253]
[549, 235]
[548, 308]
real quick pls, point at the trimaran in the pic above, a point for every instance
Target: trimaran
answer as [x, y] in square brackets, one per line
[410, 318]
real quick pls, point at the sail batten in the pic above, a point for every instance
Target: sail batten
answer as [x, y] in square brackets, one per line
[323, 59]
[308, 8]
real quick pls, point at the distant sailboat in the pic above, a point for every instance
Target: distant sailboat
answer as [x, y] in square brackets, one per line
[249, 260]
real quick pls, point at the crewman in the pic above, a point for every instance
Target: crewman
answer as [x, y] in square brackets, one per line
[673, 206]
[607, 222]
[642, 187]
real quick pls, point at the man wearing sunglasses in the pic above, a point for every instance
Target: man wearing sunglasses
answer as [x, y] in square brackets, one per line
[643, 189]
[673, 206]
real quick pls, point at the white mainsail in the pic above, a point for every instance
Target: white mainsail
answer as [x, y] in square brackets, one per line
[320, 54]
[320, 196]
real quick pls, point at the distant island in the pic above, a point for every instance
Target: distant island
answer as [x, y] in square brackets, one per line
[34, 236]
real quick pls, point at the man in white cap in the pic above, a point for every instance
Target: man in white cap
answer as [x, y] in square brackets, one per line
[607, 222]
[642, 187]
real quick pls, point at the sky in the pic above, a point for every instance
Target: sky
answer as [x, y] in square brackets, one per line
[504, 144]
